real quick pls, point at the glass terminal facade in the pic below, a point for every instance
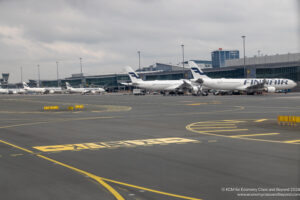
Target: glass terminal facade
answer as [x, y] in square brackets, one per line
[218, 57]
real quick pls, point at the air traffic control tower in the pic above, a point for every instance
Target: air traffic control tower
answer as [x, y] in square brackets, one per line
[4, 80]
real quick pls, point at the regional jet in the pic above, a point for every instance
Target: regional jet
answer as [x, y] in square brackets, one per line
[249, 85]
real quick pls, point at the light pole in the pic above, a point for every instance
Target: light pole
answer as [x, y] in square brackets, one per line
[80, 60]
[21, 75]
[57, 73]
[139, 53]
[244, 38]
[81, 75]
[39, 76]
[182, 47]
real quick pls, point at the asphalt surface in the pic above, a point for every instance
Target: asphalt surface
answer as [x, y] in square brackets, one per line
[149, 147]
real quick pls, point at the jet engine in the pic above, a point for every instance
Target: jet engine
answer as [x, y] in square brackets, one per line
[196, 90]
[271, 89]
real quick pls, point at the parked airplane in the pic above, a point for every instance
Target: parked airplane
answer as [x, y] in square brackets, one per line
[4, 91]
[12, 90]
[162, 85]
[34, 90]
[249, 85]
[52, 90]
[70, 89]
[16, 91]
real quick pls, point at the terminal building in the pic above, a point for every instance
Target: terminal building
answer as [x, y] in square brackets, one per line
[275, 66]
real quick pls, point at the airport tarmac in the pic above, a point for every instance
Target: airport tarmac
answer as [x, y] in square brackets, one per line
[149, 147]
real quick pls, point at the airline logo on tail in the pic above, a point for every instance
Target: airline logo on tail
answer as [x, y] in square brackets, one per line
[68, 85]
[197, 71]
[134, 75]
[25, 85]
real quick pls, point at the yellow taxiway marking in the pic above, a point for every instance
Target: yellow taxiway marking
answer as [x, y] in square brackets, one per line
[191, 128]
[212, 124]
[260, 120]
[101, 180]
[292, 141]
[227, 130]
[252, 135]
[113, 144]
[212, 127]
[25, 124]
[55, 120]
[96, 178]
[150, 190]
[202, 103]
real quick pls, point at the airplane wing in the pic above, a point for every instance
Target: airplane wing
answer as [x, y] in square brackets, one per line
[185, 85]
[258, 86]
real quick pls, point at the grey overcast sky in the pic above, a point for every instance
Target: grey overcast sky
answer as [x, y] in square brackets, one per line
[108, 33]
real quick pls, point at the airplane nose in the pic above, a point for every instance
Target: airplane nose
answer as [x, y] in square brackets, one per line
[294, 84]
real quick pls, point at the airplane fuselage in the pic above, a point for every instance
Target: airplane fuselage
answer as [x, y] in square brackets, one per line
[161, 85]
[243, 84]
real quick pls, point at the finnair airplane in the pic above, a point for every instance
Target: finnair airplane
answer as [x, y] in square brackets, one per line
[249, 85]
[163, 85]
[34, 90]
[70, 89]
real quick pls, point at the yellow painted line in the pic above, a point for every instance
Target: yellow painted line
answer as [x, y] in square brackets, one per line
[213, 127]
[25, 124]
[102, 180]
[261, 120]
[188, 127]
[234, 121]
[217, 123]
[55, 120]
[231, 130]
[113, 144]
[253, 135]
[150, 190]
[96, 178]
[292, 141]
[17, 147]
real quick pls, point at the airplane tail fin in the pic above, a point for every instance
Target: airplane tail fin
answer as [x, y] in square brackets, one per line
[196, 71]
[68, 85]
[135, 78]
[25, 85]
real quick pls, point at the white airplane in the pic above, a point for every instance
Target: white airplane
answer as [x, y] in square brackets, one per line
[70, 89]
[34, 90]
[12, 90]
[163, 85]
[249, 85]
[54, 90]
[16, 91]
[4, 91]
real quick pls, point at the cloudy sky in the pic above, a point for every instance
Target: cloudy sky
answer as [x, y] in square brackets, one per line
[108, 33]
